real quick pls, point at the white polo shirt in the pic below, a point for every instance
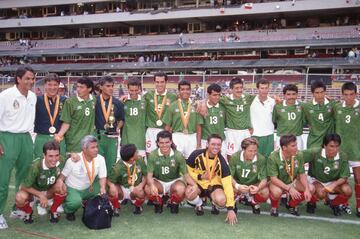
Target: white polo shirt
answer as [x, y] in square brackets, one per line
[261, 116]
[17, 112]
[76, 175]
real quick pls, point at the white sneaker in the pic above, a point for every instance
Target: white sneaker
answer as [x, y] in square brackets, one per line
[3, 224]
[41, 211]
[17, 214]
[60, 209]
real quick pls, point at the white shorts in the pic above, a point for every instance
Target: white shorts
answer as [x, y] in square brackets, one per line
[354, 164]
[150, 138]
[126, 192]
[167, 185]
[299, 141]
[223, 147]
[185, 143]
[233, 139]
[312, 180]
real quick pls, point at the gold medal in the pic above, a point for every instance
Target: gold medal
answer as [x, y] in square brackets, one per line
[106, 111]
[53, 116]
[52, 130]
[91, 176]
[159, 109]
[185, 116]
[159, 122]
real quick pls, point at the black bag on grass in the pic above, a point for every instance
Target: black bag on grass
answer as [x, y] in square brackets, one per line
[98, 213]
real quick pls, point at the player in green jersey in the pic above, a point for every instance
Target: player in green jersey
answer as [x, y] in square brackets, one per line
[287, 175]
[157, 103]
[329, 171]
[184, 122]
[166, 174]
[319, 115]
[78, 116]
[214, 121]
[127, 180]
[248, 169]
[289, 116]
[135, 113]
[40, 183]
[347, 125]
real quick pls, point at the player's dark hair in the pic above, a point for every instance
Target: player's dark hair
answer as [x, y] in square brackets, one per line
[348, 86]
[331, 137]
[163, 134]
[134, 82]
[184, 82]
[262, 82]
[249, 141]
[160, 74]
[127, 151]
[290, 87]
[235, 81]
[285, 140]
[213, 87]
[317, 84]
[21, 71]
[51, 77]
[86, 81]
[214, 136]
[51, 145]
[106, 79]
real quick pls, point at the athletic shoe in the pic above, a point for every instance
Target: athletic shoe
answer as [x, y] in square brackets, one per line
[3, 224]
[125, 201]
[70, 216]
[17, 214]
[293, 210]
[41, 210]
[358, 212]
[310, 208]
[28, 218]
[158, 208]
[199, 210]
[60, 209]
[214, 210]
[54, 217]
[274, 212]
[174, 208]
[137, 210]
[255, 208]
[346, 209]
[284, 201]
[116, 212]
[336, 210]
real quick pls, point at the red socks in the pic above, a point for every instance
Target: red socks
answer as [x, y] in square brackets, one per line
[357, 195]
[58, 200]
[313, 199]
[138, 202]
[115, 202]
[295, 202]
[259, 199]
[274, 202]
[26, 208]
[156, 199]
[339, 199]
[175, 199]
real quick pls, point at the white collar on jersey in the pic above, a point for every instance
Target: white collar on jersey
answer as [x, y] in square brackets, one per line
[296, 103]
[81, 99]
[243, 159]
[210, 106]
[326, 101]
[171, 153]
[354, 106]
[138, 98]
[45, 167]
[127, 164]
[165, 92]
[323, 154]
[232, 96]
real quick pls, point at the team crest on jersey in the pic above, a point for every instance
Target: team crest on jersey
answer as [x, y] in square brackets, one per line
[142, 105]
[244, 102]
[221, 113]
[231, 103]
[319, 160]
[336, 165]
[168, 102]
[282, 110]
[238, 167]
[254, 168]
[93, 105]
[152, 101]
[172, 163]
[311, 111]
[339, 112]
[157, 162]
[281, 167]
[16, 104]
[42, 176]
[79, 107]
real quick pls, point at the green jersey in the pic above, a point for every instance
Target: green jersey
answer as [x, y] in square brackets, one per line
[166, 168]
[214, 122]
[40, 177]
[151, 114]
[347, 125]
[247, 172]
[80, 114]
[237, 111]
[283, 169]
[172, 117]
[325, 169]
[320, 120]
[119, 172]
[289, 119]
[133, 131]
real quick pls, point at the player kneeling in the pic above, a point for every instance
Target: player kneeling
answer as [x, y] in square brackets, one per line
[248, 169]
[127, 179]
[329, 171]
[287, 175]
[166, 169]
[40, 184]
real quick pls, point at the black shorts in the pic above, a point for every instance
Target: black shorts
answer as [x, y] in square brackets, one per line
[207, 192]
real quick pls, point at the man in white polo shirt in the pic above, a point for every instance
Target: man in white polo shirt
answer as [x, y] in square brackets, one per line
[261, 110]
[85, 178]
[17, 115]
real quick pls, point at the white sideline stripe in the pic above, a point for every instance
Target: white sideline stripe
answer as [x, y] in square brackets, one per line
[286, 215]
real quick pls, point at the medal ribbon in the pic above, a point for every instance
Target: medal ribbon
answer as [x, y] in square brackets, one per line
[157, 110]
[131, 178]
[92, 175]
[106, 112]
[184, 119]
[210, 169]
[291, 174]
[56, 110]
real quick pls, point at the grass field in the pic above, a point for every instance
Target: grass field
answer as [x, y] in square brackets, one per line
[187, 225]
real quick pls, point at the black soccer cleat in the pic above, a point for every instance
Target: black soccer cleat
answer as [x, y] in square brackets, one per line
[54, 217]
[214, 210]
[310, 208]
[346, 209]
[274, 212]
[256, 209]
[116, 212]
[28, 218]
[284, 201]
[293, 210]
[199, 210]
[174, 208]
[336, 210]
[158, 208]
[124, 202]
[137, 210]
[358, 212]
[70, 217]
